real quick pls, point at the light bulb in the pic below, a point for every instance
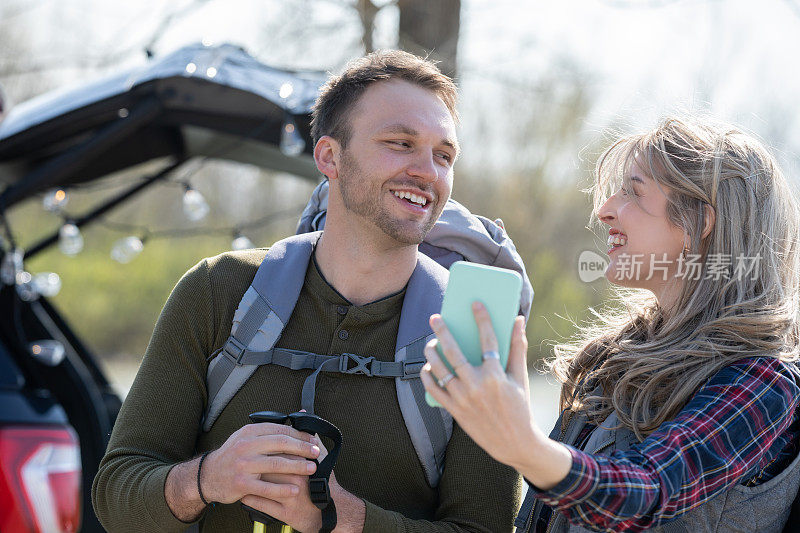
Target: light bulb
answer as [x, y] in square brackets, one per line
[242, 243]
[195, 206]
[292, 144]
[25, 289]
[47, 351]
[12, 264]
[70, 240]
[286, 90]
[125, 250]
[55, 200]
[47, 283]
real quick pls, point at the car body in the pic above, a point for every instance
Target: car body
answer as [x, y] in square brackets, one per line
[57, 408]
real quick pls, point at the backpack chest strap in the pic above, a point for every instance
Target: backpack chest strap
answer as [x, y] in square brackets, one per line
[236, 355]
[346, 363]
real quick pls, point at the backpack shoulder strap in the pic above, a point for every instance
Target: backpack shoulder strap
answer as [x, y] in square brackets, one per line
[265, 307]
[479, 240]
[430, 428]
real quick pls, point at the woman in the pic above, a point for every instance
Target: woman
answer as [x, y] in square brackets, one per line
[683, 409]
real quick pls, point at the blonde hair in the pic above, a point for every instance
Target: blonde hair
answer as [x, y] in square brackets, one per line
[645, 363]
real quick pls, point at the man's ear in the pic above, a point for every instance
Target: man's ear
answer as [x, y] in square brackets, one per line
[326, 155]
[710, 217]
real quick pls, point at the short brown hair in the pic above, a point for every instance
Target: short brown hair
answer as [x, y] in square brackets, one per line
[340, 93]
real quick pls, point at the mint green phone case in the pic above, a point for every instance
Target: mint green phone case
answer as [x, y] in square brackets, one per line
[498, 289]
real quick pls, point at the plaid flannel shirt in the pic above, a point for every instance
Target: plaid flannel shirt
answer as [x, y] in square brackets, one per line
[740, 427]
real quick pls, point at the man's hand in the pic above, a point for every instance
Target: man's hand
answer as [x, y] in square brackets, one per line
[236, 469]
[300, 513]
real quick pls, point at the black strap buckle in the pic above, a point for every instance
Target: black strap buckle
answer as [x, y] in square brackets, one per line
[320, 492]
[412, 369]
[234, 349]
[363, 364]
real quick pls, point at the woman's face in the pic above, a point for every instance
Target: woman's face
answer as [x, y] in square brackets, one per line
[644, 246]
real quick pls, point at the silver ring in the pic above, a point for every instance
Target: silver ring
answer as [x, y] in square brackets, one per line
[445, 380]
[492, 354]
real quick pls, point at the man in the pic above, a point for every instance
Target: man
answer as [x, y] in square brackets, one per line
[386, 141]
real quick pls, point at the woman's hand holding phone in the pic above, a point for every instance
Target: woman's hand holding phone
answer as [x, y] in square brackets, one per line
[493, 406]
[490, 404]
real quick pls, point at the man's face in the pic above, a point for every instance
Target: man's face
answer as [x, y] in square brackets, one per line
[397, 169]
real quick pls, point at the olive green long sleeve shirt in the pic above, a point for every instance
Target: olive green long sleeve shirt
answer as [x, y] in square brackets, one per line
[159, 424]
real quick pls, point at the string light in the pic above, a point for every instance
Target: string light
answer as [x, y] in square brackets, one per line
[47, 284]
[55, 200]
[195, 206]
[125, 250]
[240, 242]
[28, 287]
[47, 351]
[286, 90]
[70, 240]
[289, 95]
[25, 288]
[178, 233]
[292, 144]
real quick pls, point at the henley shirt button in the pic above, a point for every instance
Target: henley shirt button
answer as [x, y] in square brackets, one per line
[343, 334]
[341, 309]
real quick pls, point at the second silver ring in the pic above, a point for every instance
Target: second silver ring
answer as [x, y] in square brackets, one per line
[491, 354]
[445, 380]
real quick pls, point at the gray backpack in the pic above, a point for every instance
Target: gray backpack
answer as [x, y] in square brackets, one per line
[268, 303]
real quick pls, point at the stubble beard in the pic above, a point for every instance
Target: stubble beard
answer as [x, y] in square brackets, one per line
[364, 198]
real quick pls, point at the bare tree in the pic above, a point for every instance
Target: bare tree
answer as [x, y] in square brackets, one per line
[431, 28]
[426, 28]
[367, 11]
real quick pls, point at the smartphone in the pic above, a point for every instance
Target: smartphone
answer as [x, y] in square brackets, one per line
[498, 289]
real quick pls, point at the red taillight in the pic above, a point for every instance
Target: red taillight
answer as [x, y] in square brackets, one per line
[40, 479]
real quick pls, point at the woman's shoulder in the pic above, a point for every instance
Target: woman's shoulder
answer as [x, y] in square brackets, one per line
[759, 373]
[746, 397]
